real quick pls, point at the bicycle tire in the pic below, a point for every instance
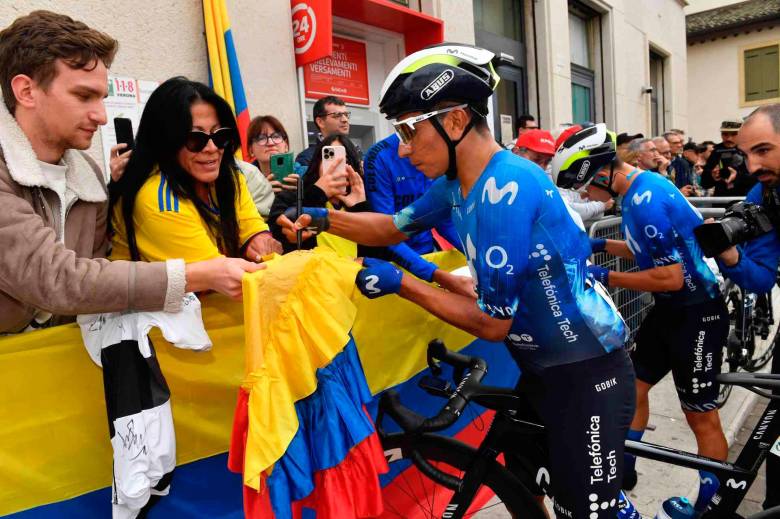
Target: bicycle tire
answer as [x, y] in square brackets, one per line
[441, 449]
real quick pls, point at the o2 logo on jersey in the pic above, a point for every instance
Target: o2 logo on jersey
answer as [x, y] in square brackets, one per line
[497, 258]
[651, 231]
[496, 195]
[644, 197]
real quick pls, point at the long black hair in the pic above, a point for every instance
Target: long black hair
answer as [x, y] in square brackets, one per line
[353, 158]
[164, 126]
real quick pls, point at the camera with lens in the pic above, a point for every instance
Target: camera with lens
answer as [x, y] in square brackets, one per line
[730, 159]
[741, 222]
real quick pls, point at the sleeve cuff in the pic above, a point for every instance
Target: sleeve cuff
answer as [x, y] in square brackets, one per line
[174, 293]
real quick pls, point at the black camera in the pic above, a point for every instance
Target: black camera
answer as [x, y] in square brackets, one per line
[730, 159]
[741, 222]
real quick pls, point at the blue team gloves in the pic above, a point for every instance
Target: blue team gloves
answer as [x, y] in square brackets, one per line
[319, 217]
[599, 273]
[598, 244]
[378, 278]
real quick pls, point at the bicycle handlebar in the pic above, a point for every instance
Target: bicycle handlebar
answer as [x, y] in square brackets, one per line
[412, 422]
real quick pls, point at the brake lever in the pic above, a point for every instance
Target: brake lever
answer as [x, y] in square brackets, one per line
[433, 364]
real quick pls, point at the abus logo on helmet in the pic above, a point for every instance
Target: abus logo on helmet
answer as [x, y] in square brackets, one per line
[437, 84]
[583, 170]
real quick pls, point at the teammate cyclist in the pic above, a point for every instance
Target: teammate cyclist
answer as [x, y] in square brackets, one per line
[688, 325]
[528, 259]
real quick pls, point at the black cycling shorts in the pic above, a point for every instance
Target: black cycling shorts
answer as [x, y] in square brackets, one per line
[586, 408]
[688, 341]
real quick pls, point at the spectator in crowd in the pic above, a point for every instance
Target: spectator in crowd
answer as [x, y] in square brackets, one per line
[665, 153]
[526, 122]
[629, 156]
[332, 118]
[681, 170]
[324, 188]
[648, 157]
[623, 139]
[706, 151]
[261, 190]
[393, 183]
[54, 76]
[537, 146]
[182, 195]
[266, 136]
[725, 169]
[690, 156]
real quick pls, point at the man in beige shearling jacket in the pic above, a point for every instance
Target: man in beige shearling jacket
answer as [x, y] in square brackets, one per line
[53, 200]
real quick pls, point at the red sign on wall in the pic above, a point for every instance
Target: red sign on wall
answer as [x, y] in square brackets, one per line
[343, 74]
[312, 24]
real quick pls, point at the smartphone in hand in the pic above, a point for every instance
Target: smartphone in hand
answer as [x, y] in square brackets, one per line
[123, 127]
[282, 165]
[331, 154]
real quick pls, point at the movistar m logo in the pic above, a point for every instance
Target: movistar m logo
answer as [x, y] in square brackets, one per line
[495, 195]
[644, 197]
[437, 84]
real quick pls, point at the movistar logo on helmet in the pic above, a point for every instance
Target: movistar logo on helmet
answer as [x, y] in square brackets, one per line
[461, 52]
[583, 170]
[437, 84]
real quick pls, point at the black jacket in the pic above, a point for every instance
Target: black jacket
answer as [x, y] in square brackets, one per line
[742, 184]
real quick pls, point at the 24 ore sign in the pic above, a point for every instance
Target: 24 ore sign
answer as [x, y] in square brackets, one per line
[344, 73]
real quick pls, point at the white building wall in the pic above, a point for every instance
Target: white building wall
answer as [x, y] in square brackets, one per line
[713, 81]
[630, 28]
[158, 40]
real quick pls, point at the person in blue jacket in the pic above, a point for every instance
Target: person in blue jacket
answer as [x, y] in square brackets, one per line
[392, 183]
[753, 265]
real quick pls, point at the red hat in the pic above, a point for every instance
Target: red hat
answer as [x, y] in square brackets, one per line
[565, 134]
[540, 141]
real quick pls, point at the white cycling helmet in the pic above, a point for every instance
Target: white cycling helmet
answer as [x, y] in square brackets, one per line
[581, 155]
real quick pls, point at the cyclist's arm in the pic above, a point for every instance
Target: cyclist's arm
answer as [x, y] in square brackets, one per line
[667, 278]
[457, 310]
[618, 248]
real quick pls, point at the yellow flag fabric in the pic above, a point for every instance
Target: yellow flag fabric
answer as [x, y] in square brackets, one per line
[54, 441]
[297, 317]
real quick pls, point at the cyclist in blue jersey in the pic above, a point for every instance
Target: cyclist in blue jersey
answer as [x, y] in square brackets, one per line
[392, 183]
[528, 259]
[688, 326]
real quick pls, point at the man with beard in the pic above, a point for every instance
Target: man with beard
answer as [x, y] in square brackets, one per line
[753, 265]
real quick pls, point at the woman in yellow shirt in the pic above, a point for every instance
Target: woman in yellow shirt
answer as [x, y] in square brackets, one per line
[181, 195]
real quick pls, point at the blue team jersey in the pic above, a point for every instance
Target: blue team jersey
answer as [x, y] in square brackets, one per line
[529, 260]
[658, 225]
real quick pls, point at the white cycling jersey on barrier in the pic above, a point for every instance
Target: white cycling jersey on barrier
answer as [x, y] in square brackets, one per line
[137, 396]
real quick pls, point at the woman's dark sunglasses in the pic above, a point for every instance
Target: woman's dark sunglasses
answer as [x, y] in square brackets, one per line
[197, 140]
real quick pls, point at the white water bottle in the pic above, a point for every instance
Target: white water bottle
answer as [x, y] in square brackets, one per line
[676, 508]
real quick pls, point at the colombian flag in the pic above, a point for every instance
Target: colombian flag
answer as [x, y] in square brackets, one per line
[224, 72]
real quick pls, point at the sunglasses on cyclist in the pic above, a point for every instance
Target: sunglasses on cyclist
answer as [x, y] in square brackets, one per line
[405, 128]
[197, 140]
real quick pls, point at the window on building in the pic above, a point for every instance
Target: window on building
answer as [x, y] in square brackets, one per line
[500, 17]
[762, 73]
[583, 84]
[657, 99]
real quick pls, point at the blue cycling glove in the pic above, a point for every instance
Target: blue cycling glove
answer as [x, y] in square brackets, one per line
[598, 244]
[378, 278]
[599, 273]
[319, 217]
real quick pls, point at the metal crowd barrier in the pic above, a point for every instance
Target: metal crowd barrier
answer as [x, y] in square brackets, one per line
[632, 304]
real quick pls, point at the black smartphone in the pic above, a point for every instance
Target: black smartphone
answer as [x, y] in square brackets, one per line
[124, 132]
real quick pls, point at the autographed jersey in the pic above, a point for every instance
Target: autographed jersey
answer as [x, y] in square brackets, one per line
[658, 225]
[528, 257]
